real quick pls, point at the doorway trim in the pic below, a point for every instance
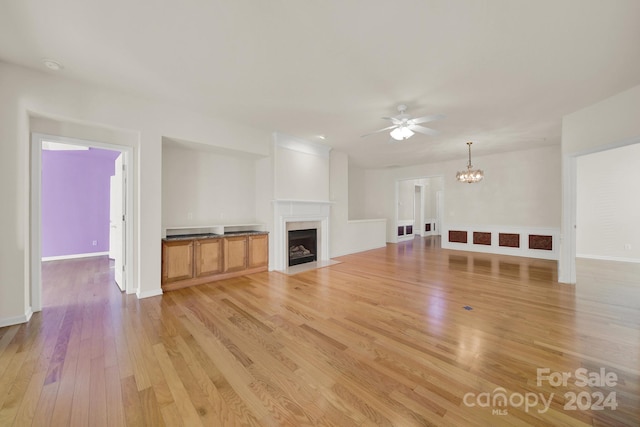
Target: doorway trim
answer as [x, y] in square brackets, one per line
[567, 259]
[393, 228]
[418, 209]
[36, 210]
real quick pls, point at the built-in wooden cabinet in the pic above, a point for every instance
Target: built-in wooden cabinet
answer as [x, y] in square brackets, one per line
[188, 262]
[235, 250]
[208, 257]
[258, 250]
[177, 260]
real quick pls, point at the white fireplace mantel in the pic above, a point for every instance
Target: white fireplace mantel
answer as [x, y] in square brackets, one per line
[289, 211]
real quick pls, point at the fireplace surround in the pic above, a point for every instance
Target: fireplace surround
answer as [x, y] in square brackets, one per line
[290, 215]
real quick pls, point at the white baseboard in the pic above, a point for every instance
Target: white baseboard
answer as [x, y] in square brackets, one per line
[9, 321]
[609, 258]
[74, 256]
[149, 294]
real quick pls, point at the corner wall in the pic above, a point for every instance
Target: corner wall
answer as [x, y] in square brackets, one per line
[607, 124]
[349, 236]
[25, 92]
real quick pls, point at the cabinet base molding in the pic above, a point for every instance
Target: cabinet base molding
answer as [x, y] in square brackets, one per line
[208, 279]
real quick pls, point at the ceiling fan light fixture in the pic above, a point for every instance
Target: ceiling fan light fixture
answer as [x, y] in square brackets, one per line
[470, 175]
[52, 65]
[401, 133]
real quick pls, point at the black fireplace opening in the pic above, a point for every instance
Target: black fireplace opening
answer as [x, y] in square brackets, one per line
[303, 246]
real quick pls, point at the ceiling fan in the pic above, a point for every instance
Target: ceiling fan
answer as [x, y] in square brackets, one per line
[404, 127]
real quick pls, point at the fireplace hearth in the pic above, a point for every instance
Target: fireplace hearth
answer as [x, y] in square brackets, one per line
[303, 246]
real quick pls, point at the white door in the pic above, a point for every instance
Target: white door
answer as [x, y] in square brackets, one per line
[117, 222]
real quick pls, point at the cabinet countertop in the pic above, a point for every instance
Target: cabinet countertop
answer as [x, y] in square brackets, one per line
[213, 235]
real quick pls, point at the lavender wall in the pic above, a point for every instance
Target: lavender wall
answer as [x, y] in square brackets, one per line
[75, 201]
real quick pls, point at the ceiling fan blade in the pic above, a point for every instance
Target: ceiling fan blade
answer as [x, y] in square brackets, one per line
[379, 130]
[426, 119]
[394, 120]
[424, 130]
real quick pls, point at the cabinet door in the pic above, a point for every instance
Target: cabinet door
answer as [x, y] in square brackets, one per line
[235, 253]
[177, 260]
[258, 250]
[208, 257]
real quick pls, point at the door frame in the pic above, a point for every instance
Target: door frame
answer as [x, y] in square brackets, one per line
[418, 208]
[567, 255]
[36, 210]
[393, 230]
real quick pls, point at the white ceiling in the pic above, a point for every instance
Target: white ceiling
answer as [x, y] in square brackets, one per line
[504, 72]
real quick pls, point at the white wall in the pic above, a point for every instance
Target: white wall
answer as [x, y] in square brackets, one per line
[612, 121]
[202, 187]
[608, 205]
[301, 169]
[24, 92]
[607, 124]
[520, 189]
[349, 236]
[85, 132]
[357, 185]
[406, 190]
[264, 200]
[435, 184]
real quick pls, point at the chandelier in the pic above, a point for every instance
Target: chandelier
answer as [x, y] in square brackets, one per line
[470, 175]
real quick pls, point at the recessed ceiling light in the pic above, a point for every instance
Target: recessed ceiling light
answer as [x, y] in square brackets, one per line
[52, 65]
[322, 137]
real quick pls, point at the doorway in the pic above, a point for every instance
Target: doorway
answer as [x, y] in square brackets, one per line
[418, 210]
[418, 207]
[606, 214]
[568, 246]
[123, 255]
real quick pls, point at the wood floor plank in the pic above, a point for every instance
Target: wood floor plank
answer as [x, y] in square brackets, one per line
[6, 349]
[131, 402]
[64, 397]
[409, 334]
[229, 407]
[18, 390]
[185, 406]
[97, 393]
[44, 408]
[150, 408]
[114, 398]
[8, 379]
[82, 385]
[171, 415]
[28, 404]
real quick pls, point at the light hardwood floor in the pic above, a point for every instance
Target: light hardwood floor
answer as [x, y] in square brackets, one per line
[383, 338]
